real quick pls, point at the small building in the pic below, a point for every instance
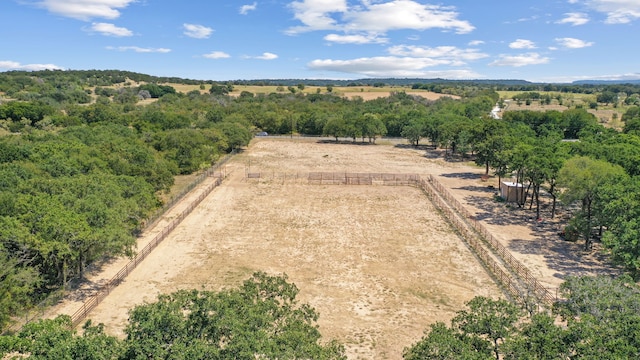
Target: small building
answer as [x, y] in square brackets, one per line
[512, 192]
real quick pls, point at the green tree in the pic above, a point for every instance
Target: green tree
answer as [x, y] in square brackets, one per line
[17, 280]
[373, 127]
[217, 89]
[56, 339]
[540, 338]
[622, 204]
[607, 97]
[443, 343]
[489, 141]
[413, 132]
[542, 166]
[581, 179]
[574, 120]
[631, 119]
[488, 320]
[261, 319]
[602, 316]
[335, 127]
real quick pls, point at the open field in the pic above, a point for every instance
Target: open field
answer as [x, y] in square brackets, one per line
[607, 115]
[378, 262]
[365, 92]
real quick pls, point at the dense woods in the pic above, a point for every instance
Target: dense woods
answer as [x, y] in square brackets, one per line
[85, 158]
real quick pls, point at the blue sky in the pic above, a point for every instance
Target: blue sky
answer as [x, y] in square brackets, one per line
[545, 40]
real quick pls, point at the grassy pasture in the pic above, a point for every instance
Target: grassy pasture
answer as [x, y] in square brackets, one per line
[608, 115]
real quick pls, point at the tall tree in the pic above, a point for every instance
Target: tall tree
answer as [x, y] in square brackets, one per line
[622, 205]
[581, 179]
[261, 319]
[488, 320]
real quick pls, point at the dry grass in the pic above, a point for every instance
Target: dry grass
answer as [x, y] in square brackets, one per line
[364, 92]
[377, 262]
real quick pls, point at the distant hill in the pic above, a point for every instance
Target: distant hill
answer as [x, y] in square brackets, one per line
[109, 77]
[112, 77]
[606, 82]
[376, 81]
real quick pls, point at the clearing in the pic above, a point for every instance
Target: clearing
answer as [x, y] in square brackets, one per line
[378, 263]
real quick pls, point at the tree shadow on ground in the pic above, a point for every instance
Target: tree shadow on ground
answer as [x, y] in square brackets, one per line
[345, 142]
[489, 189]
[462, 175]
[414, 147]
[81, 288]
[565, 257]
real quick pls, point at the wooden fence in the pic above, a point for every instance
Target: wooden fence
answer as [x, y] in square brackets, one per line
[93, 301]
[471, 230]
[517, 280]
[338, 178]
[450, 205]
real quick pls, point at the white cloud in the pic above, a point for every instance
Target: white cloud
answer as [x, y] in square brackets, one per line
[475, 42]
[356, 39]
[110, 30]
[572, 43]
[407, 61]
[375, 16]
[264, 56]
[85, 9]
[520, 60]
[391, 66]
[522, 44]
[315, 14]
[454, 55]
[617, 11]
[406, 14]
[217, 55]
[244, 9]
[197, 31]
[139, 49]
[574, 19]
[14, 65]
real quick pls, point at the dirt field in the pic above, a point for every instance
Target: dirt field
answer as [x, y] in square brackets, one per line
[377, 262]
[367, 95]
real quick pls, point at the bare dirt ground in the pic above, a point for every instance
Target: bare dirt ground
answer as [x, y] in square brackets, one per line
[377, 262]
[370, 95]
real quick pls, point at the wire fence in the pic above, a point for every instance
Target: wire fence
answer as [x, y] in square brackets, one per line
[438, 193]
[337, 178]
[449, 204]
[516, 279]
[216, 171]
[93, 301]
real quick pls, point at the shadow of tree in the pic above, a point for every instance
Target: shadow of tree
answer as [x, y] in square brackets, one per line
[81, 288]
[345, 142]
[462, 175]
[414, 147]
[565, 257]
